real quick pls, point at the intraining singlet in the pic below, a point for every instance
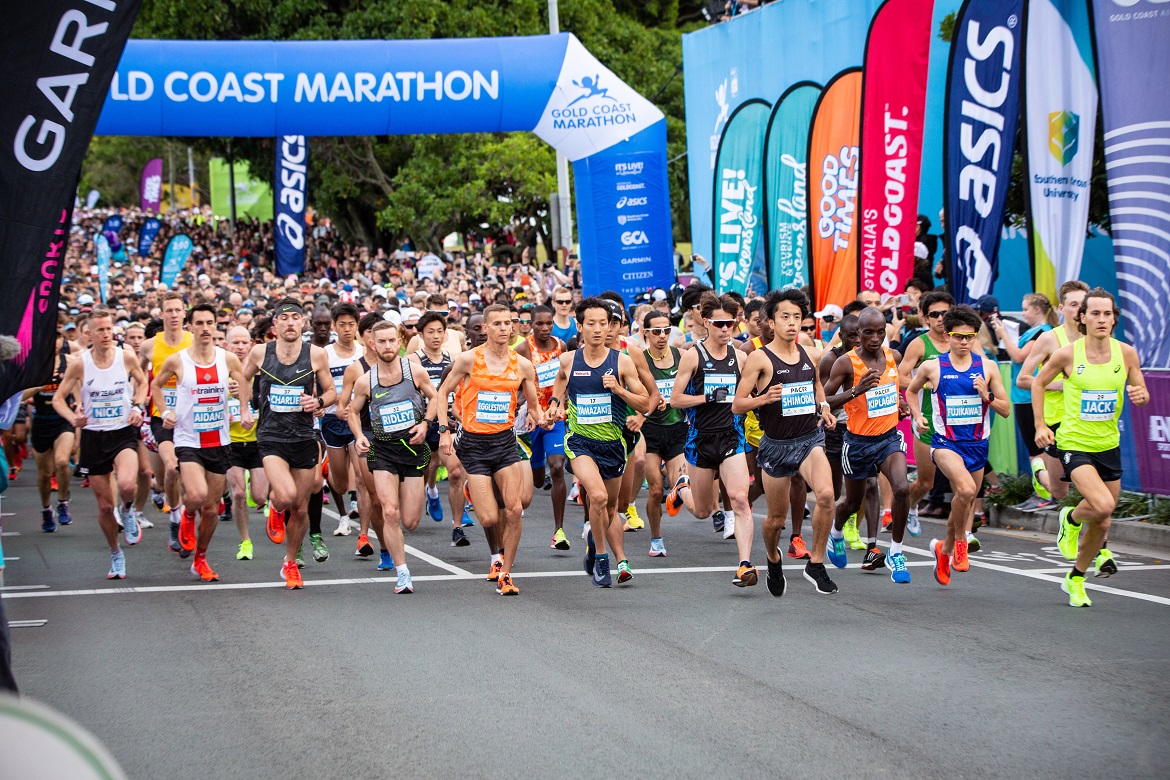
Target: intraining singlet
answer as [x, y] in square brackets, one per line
[162, 351]
[201, 403]
[547, 365]
[664, 379]
[396, 408]
[280, 387]
[795, 414]
[1054, 399]
[1094, 396]
[487, 401]
[875, 411]
[959, 414]
[105, 393]
[592, 410]
[337, 366]
[710, 375]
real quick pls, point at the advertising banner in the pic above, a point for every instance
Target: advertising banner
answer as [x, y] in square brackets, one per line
[178, 250]
[786, 186]
[147, 235]
[1060, 123]
[58, 58]
[104, 252]
[151, 188]
[292, 172]
[1133, 59]
[738, 197]
[91, 199]
[253, 197]
[893, 108]
[113, 224]
[981, 116]
[832, 203]
[1151, 433]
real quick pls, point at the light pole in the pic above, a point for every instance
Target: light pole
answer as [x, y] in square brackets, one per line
[564, 200]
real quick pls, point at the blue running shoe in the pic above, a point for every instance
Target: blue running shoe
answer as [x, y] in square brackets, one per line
[601, 576]
[435, 508]
[386, 563]
[466, 522]
[47, 523]
[913, 525]
[835, 549]
[898, 571]
[404, 584]
[590, 554]
[130, 529]
[117, 566]
[63, 516]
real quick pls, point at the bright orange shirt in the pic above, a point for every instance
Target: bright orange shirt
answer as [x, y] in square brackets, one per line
[875, 411]
[486, 402]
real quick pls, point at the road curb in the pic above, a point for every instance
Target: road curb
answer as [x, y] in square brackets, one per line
[1127, 531]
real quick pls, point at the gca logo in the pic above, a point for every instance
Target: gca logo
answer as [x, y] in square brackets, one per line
[634, 238]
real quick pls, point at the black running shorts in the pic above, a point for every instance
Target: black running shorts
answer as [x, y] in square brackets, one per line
[609, 455]
[1107, 463]
[245, 455]
[483, 454]
[298, 455]
[46, 431]
[159, 432]
[781, 458]
[100, 448]
[665, 441]
[398, 456]
[215, 460]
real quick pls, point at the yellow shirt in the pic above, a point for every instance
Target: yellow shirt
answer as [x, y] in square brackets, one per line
[162, 351]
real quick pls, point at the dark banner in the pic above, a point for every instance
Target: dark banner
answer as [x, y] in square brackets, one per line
[58, 59]
[292, 172]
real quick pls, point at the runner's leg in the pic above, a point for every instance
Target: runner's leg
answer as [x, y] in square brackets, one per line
[734, 477]
[964, 486]
[1094, 512]
[390, 536]
[818, 476]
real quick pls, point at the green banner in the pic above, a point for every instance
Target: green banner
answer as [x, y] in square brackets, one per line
[786, 185]
[253, 197]
[739, 198]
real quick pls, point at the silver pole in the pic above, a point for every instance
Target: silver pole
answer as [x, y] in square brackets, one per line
[191, 175]
[563, 196]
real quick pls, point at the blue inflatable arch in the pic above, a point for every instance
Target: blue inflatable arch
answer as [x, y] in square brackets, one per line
[549, 85]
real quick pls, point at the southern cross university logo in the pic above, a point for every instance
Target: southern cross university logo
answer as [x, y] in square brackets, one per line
[1063, 131]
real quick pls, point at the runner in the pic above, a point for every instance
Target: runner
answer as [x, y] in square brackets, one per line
[781, 384]
[398, 453]
[490, 378]
[52, 442]
[1098, 372]
[200, 423]
[964, 388]
[705, 388]
[291, 373]
[453, 343]
[564, 323]
[246, 476]
[866, 381]
[335, 432]
[134, 338]
[596, 383]
[321, 335]
[109, 418]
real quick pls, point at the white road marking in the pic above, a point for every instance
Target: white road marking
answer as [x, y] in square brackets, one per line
[10, 533]
[22, 587]
[417, 553]
[27, 623]
[6, 559]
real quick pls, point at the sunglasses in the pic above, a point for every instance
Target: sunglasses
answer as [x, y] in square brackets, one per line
[808, 328]
[934, 315]
[565, 302]
[963, 336]
[658, 331]
[722, 323]
[525, 322]
[407, 327]
[828, 318]
[516, 320]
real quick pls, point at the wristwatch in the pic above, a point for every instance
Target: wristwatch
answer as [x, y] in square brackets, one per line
[442, 429]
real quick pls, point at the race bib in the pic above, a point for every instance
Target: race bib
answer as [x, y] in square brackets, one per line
[397, 417]
[712, 382]
[338, 383]
[206, 418]
[963, 409]
[492, 408]
[546, 373]
[234, 409]
[106, 410]
[170, 396]
[1098, 405]
[665, 387]
[594, 408]
[284, 398]
[797, 399]
[881, 401]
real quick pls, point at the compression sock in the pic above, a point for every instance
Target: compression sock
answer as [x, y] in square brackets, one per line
[316, 501]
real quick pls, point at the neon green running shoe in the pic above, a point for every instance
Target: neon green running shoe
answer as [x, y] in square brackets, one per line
[301, 557]
[441, 474]
[1105, 565]
[320, 551]
[248, 491]
[1068, 535]
[1075, 588]
[1037, 485]
[245, 551]
[852, 538]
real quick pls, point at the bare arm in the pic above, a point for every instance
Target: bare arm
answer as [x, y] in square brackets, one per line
[353, 372]
[138, 377]
[69, 382]
[1057, 365]
[755, 367]
[361, 393]
[927, 374]
[910, 360]
[460, 369]
[1002, 404]
[531, 393]
[642, 366]
[325, 386]
[679, 398]
[1135, 382]
[556, 404]
[839, 388]
[630, 388]
[1040, 351]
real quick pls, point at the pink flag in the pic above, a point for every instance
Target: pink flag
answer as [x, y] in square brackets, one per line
[151, 192]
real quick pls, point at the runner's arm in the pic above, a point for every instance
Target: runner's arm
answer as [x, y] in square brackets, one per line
[1042, 349]
[679, 397]
[827, 417]
[924, 376]
[353, 372]
[630, 387]
[531, 393]
[320, 362]
[839, 388]
[561, 384]
[1139, 394]
[1002, 404]
[745, 400]
[167, 371]
[910, 360]
[361, 393]
[1056, 365]
[138, 377]
[236, 372]
[642, 366]
[254, 361]
[459, 370]
[69, 382]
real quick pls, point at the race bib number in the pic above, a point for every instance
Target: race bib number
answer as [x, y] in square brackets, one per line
[284, 398]
[963, 409]
[546, 373]
[797, 399]
[338, 383]
[881, 401]
[665, 388]
[106, 410]
[492, 408]
[397, 417]
[170, 396]
[234, 409]
[594, 408]
[1098, 405]
[208, 417]
[712, 382]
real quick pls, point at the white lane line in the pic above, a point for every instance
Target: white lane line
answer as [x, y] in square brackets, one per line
[1121, 567]
[6, 560]
[7, 588]
[27, 623]
[10, 533]
[417, 553]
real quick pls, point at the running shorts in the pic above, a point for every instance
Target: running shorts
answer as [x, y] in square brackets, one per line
[216, 460]
[297, 454]
[147, 437]
[1052, 450]
[546, 442]
[335, 432]
[1027, 425]
[245, 455]
[399, 456]
[781, 458]
[752, 432]
[708, 449]
[159, 432]
[1107, 463]
[973, 453]
[483, 454]
[834, 438]
[46, 431]
[100, 448]
[861, 455]
[609, 454]
[665, 441]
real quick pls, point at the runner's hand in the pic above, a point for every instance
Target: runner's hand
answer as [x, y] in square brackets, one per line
[1044, 436]
[362, 444]
[418, 433]
[662, 404]
[868, 381]
[634, 422]
[1138, 394]
[446, 444]
[920, 424]
[170, 419]
[309, 402]
[246, 419]
[535, 419]
[981, 387]
[903, 409]
[828, 418]
[609, 381]
[233, 387]
[774, 393]
[135, 418]
[80, 420]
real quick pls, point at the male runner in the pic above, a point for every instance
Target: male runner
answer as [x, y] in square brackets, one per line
[246, 475]
[564, 323]
[321, 335]
[291, 373]
[781, 384]
[1098, 372]
[200, 423]
[597, 383]
[134, 337]
[109, 418]
[964, 388]
[335, 432]
[52, 443]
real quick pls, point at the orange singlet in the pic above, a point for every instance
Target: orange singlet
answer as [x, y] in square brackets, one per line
[162, 351]
[875, 411]
[548, 365]
[486, 402]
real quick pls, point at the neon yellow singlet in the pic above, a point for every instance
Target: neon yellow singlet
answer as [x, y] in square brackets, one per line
[1054, 399]
[1094, 396]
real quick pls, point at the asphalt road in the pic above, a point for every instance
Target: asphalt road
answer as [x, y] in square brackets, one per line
[679, 674]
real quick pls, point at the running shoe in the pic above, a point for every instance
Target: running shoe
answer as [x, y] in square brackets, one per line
[1075, 588]
[404, 584]
[674, 501]
[559, 540]
[117, 566]
[1105, 565]
[728, 525]
[245, 551]
[385, 562]
[852, 538]
[497, 568]
[174, 542]
[898, 571]
[624, 572]
[959, 560]
[143, 521]
[1041, 505]
[978, 520]
[601, 577]
[320, 551]
[225, 511]
[53, 483]
[874, 559]
[291, 575]
[364, 548]
[466, 521]
[745, 577]
[186, 531]
[132, 533]
[575, 492]
[48, 525]
[835, 549]
[1032, 503]
[435, 508]
[775, 579]
[819, 577]
[505, 587]
[942, 563]
[887, 520]
[64, 518]
[1068, 535]
[547, 482]
[657, 548]
[275, 525]
[633, 522]
[797, 550]
[301, 557]
[913, 526]
[458, 538]
[590, 551]
[343, 526]
[201, 569]
[718, 520]
[158, 498]
[973, 544]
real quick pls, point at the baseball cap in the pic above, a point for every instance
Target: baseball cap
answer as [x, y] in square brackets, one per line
[988, 303]
[379, 291]
[658, 295]
[85, 299]
[410, 313]
[393, 317]
[832, 311]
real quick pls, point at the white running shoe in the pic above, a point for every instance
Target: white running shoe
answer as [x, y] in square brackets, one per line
[141, 518]
[728, 525]
[343, 527]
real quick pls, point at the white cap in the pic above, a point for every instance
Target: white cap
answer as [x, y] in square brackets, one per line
[378, 291]
[831, 310]
[659, 295]
[410, 313]
[85, 299]
[204, 278]
[393, 317]
[920, 250]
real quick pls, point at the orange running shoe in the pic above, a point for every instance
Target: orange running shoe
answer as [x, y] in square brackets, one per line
[364, 548]
[959, 559]
[674, 502]
[746, 576]
[942, 563]
[201, 569]
[466, 493]
[495, 571]
[505, 587]
[325, 467]
[275, 526]
[796, 549]
[53, 484]
[292, 575]
[887, 520]
[187, 531]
